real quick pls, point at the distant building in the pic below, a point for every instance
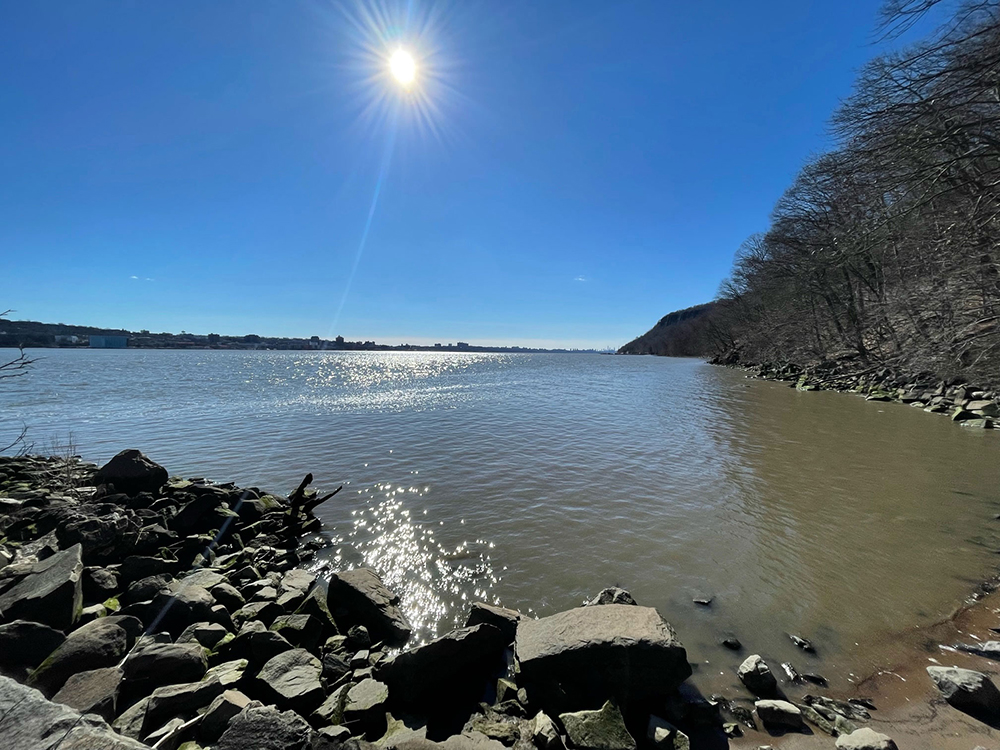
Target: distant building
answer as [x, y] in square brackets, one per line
[66, 339]
[108, 342]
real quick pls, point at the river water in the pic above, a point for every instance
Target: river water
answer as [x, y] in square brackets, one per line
[537, 480]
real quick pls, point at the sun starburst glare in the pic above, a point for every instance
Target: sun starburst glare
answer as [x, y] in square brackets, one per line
[403, 67]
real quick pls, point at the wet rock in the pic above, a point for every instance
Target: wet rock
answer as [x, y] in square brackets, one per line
[704, 601]
[450, 670]
[503, 619]
[219, 713]
[732, 643]
[803, 643]
[968, 691]
[24, 645]
[358, 597]
[97, 644]
[778, 713]
[265, 728]
[603, 729]
[50, 591]
[757, 676]
[131, 472]
[588, 655]
[612, 595]
[665, 736]
[292, 680]
[865, 739]
[988, 649]
[30, 722]
[92, 692]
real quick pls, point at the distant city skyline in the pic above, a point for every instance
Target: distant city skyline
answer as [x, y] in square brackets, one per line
[556, 175]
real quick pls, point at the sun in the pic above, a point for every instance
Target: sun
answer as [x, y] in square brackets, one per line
[403, 67]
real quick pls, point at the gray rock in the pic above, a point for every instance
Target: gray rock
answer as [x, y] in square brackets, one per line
[968, 691]
[229, 673]
[101, 643]
[129, 723]
[358, 597]
[145, 589]
[665, 736]
[588, 655]
[265, 728]
[366, 698]
[227, 595]
[778, 713]
[50, 592]
[173, 700]
[256, 644]
[545, 733]
[989, 649]
[207, 578]
[91, 613]
[398, 731]
[99, 584]
[131, 472]
[159, 664]
[92, 692]
[218, 715]
[503, 619]
[303, 631]
[865, 739]
[292, 680]
[182, 604]
[598, 730]
[264, 612]
[450, 670]
[757, 676]
[29, 722]
[207, 634]
[612, 595]
[332, 709]
[24, 645]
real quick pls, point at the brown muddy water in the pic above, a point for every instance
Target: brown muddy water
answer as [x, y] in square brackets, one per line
[537, 480]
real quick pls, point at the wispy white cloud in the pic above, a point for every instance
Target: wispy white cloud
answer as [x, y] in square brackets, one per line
[134, 278]
[580, 278]
[141, 278]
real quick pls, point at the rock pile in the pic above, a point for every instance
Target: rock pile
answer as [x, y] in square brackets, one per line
[175, 614]
[966, 404]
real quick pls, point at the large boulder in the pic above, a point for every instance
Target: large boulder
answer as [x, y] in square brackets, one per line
[173, 700]
[219, 713]
[49, 592]
[29, 722]
[24, 645]
[757, 676]
[101, 643]
[131, 472]
[603, 729]
[358, 597]
[583, 657]
[968, 691]
[865, 739]
[451, 670]
[92, 692]
[266, 728]
[292, 680]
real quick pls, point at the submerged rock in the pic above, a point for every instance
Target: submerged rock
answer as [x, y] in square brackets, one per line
[612, 595]
[603, 729]
[588, 655]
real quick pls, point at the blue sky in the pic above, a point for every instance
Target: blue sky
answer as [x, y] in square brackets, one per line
[561, 173]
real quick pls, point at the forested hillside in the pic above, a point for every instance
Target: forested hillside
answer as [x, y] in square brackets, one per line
[684, 333]
[887, 249]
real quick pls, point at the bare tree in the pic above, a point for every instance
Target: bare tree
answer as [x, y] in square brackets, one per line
[13, 368]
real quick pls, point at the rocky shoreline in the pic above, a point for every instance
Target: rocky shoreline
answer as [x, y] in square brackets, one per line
[139, 610]
[969, 405]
